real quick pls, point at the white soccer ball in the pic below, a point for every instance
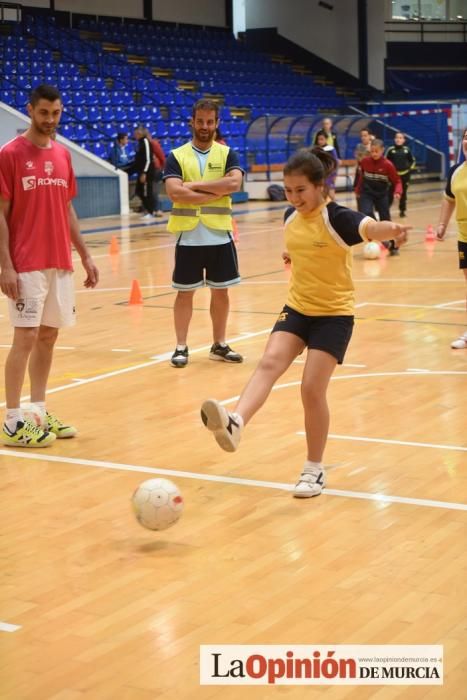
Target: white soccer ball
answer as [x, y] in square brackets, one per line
[371, 250]
[33, 414]
[157, 504]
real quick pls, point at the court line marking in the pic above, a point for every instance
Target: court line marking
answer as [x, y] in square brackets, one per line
[344, 364]
[155, 360]
[124, 241]
[410, 306]
[363, 495]
[57, 347]
[383, 441]
[134, 223]
[248, 283]
[245, 282]
[243, 212]
[6, 627]
[405, 373]
[449, 303]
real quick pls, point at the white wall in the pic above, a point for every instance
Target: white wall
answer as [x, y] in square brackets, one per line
[332, 35]
[209, 12]
[37, 3]
[116, 8]
[239, 16]
[376, 43]
[205, 12]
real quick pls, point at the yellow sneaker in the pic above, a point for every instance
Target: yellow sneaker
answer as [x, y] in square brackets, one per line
[54, 425]
[27, 435]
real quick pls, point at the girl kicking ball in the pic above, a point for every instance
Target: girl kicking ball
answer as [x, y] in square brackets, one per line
[318, 314]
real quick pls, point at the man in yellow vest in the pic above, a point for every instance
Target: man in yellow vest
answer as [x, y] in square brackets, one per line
[199, 178]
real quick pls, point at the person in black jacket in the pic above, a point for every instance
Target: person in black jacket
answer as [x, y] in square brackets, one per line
[144, 168]
[401, 157]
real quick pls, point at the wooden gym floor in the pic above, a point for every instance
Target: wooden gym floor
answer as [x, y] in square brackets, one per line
[93, 606]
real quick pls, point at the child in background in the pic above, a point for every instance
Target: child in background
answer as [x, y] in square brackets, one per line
[376, 176]
[401, 157]
[330, 183]
[331, 136]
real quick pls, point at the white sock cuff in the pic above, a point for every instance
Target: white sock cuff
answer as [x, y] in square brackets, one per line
[312, 465]
[240, 419]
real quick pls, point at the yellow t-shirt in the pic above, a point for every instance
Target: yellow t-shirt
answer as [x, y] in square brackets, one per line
[319, 245]
[456, 189]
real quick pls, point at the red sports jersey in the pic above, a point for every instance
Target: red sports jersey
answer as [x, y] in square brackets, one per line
[375, 177]
[39, 183]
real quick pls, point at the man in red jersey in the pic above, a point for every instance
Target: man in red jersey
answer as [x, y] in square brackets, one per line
[375, 178]
[37, 227]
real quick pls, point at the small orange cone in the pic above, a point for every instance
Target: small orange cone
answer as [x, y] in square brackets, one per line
[430, 234]
[135, 295]
[114, 247]
[235, 230]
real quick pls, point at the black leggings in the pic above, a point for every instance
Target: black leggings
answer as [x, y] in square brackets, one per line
[145, 191]
[405, 179]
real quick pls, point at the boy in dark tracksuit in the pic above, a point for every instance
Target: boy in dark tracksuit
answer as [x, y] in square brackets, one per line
[376, 176]
[144, 168]
[401, 157]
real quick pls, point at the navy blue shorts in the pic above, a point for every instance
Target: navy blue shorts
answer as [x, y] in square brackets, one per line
[328, 333]
[211, 265]
[462, 248]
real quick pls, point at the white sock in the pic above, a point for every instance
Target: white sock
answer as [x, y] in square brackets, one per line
[309, 466]
[239, 419]
[181, 347]
[12, 416]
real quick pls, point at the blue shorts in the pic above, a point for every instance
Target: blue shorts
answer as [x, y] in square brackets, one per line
[330, 334]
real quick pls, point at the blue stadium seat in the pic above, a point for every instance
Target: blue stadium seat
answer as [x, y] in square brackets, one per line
[7, 96]
[68, 131]
[107, 113]
[78, 97]
[99, 149]
[80, 112]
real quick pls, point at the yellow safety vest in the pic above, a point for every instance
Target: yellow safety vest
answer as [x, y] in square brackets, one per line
[217, 214]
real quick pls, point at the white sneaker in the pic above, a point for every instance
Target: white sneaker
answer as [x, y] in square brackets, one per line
[460, 343]
[310, 483]
[227, 427]
[147, 217]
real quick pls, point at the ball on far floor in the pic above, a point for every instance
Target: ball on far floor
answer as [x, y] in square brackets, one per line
[371, 250]
[33, 414]
[157, 504]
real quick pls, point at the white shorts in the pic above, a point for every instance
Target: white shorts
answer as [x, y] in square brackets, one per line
[47, 298]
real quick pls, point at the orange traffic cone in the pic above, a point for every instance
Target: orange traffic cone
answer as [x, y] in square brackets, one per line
[114, 247]
[135, 295]
[430, 234]
[235, 230]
